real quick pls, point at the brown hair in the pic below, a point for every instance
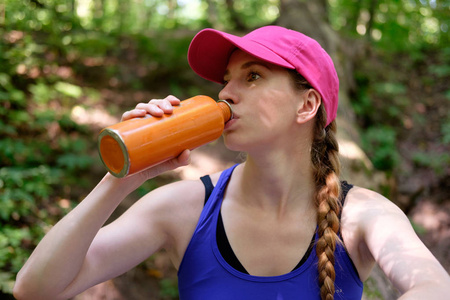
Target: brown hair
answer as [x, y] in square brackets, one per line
[326, 169]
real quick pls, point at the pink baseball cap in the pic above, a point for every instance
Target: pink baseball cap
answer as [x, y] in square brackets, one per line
[211, 49]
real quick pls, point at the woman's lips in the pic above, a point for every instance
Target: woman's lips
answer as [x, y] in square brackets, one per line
[230, 123]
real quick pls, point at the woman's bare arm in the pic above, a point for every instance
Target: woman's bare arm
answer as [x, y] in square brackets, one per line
[74, 255]
[392, 242]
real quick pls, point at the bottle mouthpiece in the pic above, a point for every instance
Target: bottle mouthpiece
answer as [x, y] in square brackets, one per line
[227, 111]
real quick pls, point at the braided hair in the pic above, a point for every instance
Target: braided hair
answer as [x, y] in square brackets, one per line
[326, 169]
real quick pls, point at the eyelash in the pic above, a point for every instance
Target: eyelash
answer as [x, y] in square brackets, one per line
[248, 78]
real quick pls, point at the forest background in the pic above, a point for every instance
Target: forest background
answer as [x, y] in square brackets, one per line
[71, 67]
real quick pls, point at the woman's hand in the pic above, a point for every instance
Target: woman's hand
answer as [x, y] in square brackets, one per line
[155, 107]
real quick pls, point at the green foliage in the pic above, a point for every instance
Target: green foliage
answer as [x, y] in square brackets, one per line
[42, 150]
[390, 88]
[419, 229]
[371, 289]
[169, 288]
[380, 144]
[440, 70]
[445, 129]
[392, 99]
[24, 213]
[145, 188]
[393, 26]
[438, 162]
[68, 89]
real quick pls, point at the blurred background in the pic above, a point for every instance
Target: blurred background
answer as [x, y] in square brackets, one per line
[71, 67]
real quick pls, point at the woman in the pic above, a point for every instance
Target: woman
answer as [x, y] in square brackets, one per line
[279, 226]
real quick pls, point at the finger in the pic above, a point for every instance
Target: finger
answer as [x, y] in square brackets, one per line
[184, 158]
[181, 160]
[165, 105]
[152, 108]
[173, 100]
[135, 113]
[155, 107]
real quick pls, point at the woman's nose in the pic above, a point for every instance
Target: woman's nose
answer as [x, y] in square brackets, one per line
[227, 93]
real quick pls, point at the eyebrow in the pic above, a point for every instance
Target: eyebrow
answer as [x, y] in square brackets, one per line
[248, 65]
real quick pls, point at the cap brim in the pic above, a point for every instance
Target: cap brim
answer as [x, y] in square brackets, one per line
[210, 51]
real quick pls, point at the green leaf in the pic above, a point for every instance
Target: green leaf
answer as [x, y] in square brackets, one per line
[445, 129]
[390, 88]
[440, 70]
[42, 93]
[69, 89]
[74, 161]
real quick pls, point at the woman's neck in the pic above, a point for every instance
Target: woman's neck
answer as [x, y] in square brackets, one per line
[280, 180]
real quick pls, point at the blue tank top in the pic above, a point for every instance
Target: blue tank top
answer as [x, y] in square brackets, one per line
[204, 274]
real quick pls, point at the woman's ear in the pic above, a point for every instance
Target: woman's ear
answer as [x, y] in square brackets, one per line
[309, 106]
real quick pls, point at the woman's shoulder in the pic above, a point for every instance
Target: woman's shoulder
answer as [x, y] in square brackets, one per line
[367, 208]
[176, 209]
[180, 200]
[181, 194]
[365, 202]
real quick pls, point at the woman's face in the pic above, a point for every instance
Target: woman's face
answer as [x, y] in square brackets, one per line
[264, 102]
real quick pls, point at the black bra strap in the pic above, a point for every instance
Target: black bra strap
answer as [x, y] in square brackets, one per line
[209, 187]
[345, 187]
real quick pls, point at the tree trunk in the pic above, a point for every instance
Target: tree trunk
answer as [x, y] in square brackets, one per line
[2, 14]
[372, 8]
[122, 12]
[353, 16]
[172, 5]
[212, 17]
[74, 8]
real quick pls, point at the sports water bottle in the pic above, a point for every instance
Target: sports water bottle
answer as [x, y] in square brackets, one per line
[140, 143]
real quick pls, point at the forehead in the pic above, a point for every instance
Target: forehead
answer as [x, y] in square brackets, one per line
[241, 60]
[240, 57]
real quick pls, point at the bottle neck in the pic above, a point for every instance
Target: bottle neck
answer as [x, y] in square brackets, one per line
[226, 110]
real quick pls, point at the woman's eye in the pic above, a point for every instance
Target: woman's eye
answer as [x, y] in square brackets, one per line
[252, 76]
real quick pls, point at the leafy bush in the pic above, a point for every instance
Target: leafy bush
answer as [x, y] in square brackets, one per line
[34, 169]
[42, 151]
[380, 144]
[438, 162]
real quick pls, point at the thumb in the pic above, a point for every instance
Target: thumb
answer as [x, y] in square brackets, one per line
[181, 160]
[184, 158]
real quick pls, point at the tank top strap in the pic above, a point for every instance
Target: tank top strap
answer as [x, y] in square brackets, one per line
[213, 193]
[209, 187]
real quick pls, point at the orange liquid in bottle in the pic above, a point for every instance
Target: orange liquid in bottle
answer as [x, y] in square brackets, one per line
[137, 144]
